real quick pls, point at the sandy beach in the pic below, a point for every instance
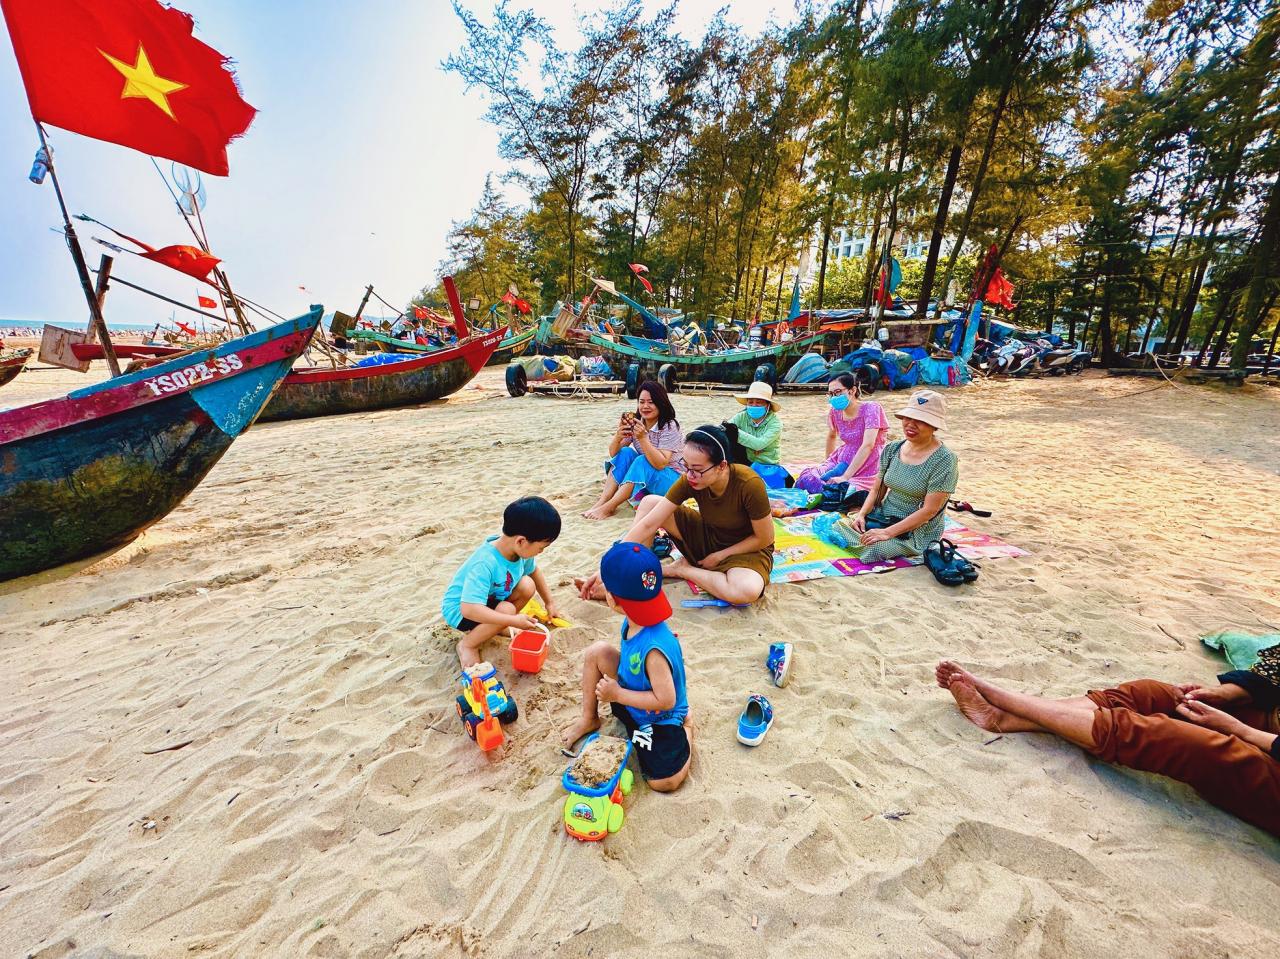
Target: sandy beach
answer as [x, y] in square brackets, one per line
[236, 737]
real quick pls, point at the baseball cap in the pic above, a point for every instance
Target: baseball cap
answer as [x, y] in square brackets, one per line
[633, 576]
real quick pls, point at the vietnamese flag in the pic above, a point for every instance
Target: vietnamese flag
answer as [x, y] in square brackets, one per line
[1000, 291]
[129, 72]
[191, 260]
[206, 301]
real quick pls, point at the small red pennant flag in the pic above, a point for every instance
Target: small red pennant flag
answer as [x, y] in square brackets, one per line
[638, 269]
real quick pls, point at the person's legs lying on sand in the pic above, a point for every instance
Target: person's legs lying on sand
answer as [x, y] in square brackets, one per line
[1144, 725]
[479, 634]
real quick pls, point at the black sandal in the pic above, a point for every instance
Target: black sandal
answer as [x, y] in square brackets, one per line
[947, 565]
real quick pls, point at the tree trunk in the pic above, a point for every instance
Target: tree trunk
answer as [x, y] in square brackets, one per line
[1228, 318]
[939, 226]
[826, 242]
[979, 175]
[1265, 276]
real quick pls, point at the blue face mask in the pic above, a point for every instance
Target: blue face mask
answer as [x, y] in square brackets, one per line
[840, 402]
[757, 412]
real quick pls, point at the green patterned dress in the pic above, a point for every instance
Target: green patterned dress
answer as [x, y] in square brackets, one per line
[906, 487]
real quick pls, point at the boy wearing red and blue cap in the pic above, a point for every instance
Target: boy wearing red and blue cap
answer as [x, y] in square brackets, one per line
[648, 694]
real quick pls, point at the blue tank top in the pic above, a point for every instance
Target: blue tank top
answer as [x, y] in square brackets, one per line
[631, 674]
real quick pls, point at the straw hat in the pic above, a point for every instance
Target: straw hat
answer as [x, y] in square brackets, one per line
[758, 390]
[926, 406]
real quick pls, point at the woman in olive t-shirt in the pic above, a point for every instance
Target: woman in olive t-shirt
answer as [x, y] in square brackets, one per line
[726, 544]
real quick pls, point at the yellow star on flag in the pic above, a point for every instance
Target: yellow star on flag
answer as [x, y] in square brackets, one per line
[140, 80]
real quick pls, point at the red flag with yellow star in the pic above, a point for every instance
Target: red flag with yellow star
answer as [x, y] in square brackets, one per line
[130, 72]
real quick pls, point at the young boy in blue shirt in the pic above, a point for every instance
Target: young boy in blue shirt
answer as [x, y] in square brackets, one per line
[488, 592]
[648, 694]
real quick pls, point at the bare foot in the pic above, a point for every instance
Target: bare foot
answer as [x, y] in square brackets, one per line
[597, 591]
[948, 670]
[584, 726]
[982, 714]
[603, 511]
[467, 656]
[677, 569]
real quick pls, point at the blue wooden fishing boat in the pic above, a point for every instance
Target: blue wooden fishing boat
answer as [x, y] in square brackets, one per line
[768, 363]
[90, 471]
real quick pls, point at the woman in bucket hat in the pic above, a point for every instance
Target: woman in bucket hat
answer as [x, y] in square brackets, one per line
[917, 476]
[758, 431]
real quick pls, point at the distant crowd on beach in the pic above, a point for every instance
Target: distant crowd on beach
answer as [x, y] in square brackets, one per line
[702, 503]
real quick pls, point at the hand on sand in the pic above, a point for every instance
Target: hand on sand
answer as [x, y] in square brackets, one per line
[583, 727]
[607, 689]
[1202, 714]
[590, 587]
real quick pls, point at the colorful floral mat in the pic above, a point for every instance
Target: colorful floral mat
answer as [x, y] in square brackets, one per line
[799, 555]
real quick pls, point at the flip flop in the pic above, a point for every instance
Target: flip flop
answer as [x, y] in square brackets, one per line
[961, 507]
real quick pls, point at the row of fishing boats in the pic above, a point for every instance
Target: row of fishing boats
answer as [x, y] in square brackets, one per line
[90, 471]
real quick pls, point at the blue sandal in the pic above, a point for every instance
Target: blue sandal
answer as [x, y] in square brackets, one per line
[755, 721]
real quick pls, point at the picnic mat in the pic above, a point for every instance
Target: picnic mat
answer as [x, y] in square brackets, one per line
[799, 555]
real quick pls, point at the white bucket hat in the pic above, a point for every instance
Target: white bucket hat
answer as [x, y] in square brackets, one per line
[759, 390]
[926, 406]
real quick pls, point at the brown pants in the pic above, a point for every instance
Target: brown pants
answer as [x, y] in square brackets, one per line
[1136, 726]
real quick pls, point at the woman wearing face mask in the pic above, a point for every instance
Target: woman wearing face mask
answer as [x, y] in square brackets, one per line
[757, 430]
[854, 440]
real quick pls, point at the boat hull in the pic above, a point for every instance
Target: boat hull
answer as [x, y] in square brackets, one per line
[510, 347]
[317, 391]
[11, 366]
[733, 368]
[91, 471]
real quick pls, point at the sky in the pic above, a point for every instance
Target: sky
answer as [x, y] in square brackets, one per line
[362, 154]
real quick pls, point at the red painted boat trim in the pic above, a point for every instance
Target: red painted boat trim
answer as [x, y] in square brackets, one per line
[94, 351]
[475, 351]
[27, 421]
[19, 360]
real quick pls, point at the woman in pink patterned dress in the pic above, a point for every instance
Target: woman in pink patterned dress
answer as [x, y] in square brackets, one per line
[857, 435]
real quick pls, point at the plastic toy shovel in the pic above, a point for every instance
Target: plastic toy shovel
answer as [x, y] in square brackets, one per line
[489, 732]
[715, 603]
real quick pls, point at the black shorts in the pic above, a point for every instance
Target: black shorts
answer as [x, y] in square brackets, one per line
[467, 625]
[661, 755]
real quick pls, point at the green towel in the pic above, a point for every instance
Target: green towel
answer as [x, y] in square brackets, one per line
[1241, 649]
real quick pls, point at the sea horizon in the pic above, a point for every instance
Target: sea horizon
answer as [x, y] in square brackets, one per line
[79, 324]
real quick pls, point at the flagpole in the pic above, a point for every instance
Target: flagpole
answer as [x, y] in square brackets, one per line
[77, 255]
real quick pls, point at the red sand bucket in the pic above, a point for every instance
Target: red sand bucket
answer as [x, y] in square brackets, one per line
[529, 648]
